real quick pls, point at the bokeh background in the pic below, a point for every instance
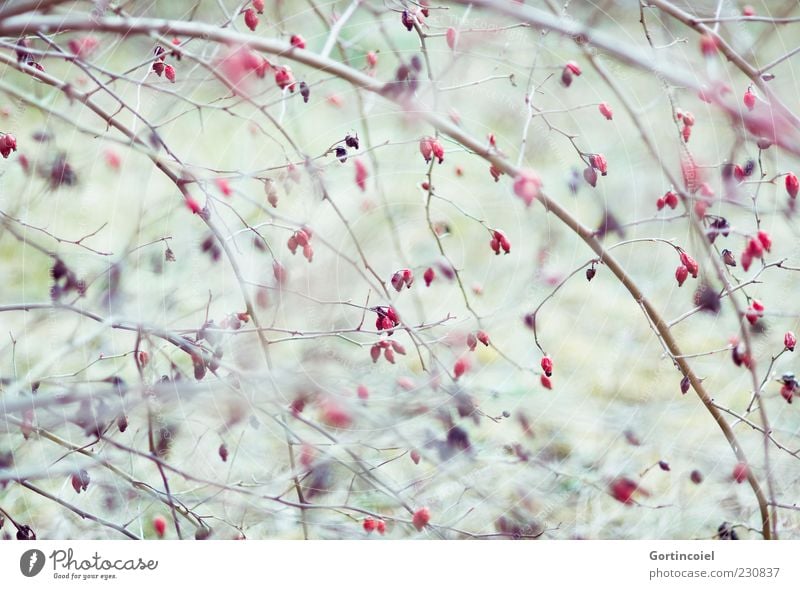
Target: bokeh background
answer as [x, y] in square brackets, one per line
[525, 459]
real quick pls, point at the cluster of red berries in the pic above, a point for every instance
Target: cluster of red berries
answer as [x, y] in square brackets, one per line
[374, 525]
[408, 18]
[570, 69]
[301, 238]
[250, 16]
[387, 319]
[8, 143]
[597, 163]
[389, 348]
[755, 311]
[159, 65]
[404, 277]
[430, 147]
[688, 266]
[479, 336]
[499, 242]
[687, 119]
[670, 199]
[756, 247]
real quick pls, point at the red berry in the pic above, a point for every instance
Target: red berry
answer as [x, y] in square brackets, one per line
[460, 367]
[749, 99]
[361, 174]
[380, 526]
[363, 392]
[792, 185]
[335, 415]
[573, 67]
[789, 341]
[765, 240]
[372, 59]
[452, 38]
[8, 143]
[671, 199]
[547, 366]
[224, 186]
[483, 337]
[527, 185]
[279, 272]
[755, 248]
[369, 524]
[748, 11]
[740, 472]
[746, 259]
[545, 382]
[429, 276]
[160, 525]
[590, 175]
[660, 203]
[686, 133]
[223, 452]
[415, 457]
[169, 73]
[251, 19]
[708, 44]
[606, 111]
[193, 205]
[472, 341]
[421, 518]
[298, 41]
[690, 263]
[622, 489]
[438, 150]
[426, 148]
[681, 274]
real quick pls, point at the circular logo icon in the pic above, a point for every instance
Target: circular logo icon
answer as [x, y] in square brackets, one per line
[31, 562]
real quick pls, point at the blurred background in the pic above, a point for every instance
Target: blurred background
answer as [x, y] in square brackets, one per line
[496, 452]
